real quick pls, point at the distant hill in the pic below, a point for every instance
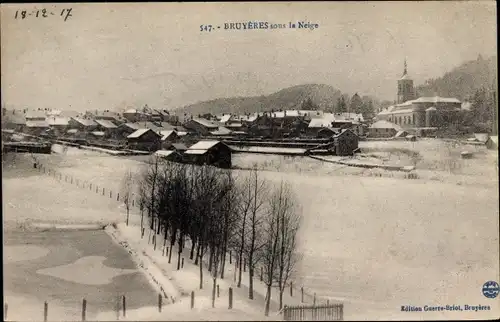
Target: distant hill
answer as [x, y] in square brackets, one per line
[464, 80]
[289, 98]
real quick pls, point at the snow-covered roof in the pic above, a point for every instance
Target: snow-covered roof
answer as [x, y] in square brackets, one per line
[432, 108]
[196, 151]
[164, 153]
[37, 124]
[204, 145]
[166, 134]
[72, 131]
[406, 110]
[382, 124]
[221, 131]
[107, 124]
[435, 99]
[98, 133]
[314, 123]
[84, 122]
[35, 114]
[206, 123]
[56, 120]
[234, 125]
[224, 118]
[130, 111]
[134, 126]
[180, 146]
[138, 133]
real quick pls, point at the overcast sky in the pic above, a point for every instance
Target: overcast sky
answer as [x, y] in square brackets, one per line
[108, 56]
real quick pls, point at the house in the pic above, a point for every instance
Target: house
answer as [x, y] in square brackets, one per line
[109, 129]
[346, 142]
[58, 124]
[36, 127]
[201, 126]
[169, 155]
[81, 124]
[168, 138]
[383, 129]
[144, 140]
[131, 115]
[213, 153]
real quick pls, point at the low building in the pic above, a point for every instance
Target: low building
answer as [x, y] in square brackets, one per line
[213, 153]
[326, 132]
[346, 142]
[36, 127]
[169, 155]
[168, 138]
[58, 124]
[383, 129]
[109, 129]
[201, 126]
[13, 121]
[81, 124]
[144, 140]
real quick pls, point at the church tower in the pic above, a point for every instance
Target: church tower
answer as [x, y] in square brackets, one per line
[406, 91]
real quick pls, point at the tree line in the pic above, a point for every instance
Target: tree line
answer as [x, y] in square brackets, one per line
[217, 213]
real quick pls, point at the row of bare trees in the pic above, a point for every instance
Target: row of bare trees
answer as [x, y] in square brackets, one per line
[220, 213]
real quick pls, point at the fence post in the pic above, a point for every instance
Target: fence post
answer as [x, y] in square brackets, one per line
[244, 264]
[218, 293]
[84, 309]
[230, 257]
[261, 273]
[110, 194]
[117, 307]
[301, 294]
[314, 299]
[45, 311]
[230, 298]
[6, 308]
[285, 313]
[182, 262]
[291, 288]
[118, 197]
[103, 191]
[160, 298]
[124, 305]
[192, 299]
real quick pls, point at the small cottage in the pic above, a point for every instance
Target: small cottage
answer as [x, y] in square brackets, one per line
[383, 129]
[201, 126]
[144, 140]
[169, 155]
[213, 153]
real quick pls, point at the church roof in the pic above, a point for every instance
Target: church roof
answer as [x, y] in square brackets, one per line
[405, 76]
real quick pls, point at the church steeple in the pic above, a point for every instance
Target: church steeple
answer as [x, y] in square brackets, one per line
[406, 90]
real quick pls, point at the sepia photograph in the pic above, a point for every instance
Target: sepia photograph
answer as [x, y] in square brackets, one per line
[250, 161]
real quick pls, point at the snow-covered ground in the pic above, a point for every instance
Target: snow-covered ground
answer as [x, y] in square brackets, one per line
[375, 243]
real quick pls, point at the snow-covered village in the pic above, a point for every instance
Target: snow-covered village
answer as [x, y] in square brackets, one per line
[154, 170]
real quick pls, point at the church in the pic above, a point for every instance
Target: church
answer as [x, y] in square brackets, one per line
[423, 112]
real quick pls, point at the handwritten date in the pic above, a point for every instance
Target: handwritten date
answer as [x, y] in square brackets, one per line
[43, 13]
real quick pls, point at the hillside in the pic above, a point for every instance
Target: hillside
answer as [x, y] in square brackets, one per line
[289, 98]
[462, 81]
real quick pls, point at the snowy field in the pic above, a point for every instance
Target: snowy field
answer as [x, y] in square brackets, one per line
[376, 243]
[62, 268]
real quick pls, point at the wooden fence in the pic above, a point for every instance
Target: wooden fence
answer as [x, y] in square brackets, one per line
[328, 312]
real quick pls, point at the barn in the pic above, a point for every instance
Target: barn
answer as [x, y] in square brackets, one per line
[144, 140]
[213, 153]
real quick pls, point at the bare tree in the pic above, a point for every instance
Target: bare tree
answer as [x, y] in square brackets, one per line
[127, 191]
[254, 191]
[279, 252]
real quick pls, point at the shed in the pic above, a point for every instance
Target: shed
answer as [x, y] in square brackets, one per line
[345, 142]
[492, 143]
[144, 140]
[213, 153]
[180, 147]
[326, 132]
[201, 126]
[169, 155]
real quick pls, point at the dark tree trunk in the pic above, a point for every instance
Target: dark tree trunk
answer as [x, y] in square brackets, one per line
[193, 245]
[198, 253]
[179, 251]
